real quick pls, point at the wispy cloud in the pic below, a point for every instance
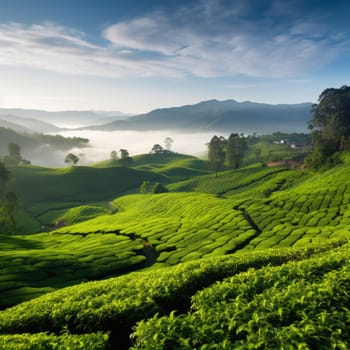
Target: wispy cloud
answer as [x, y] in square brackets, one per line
[207, 39]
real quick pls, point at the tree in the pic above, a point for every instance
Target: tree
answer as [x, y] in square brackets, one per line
[168, 143]
[146, 187]
[216, 153]
[157, 149]
[235, 149]
[149, 187]
[330, 125]
[125, 158]
[71, 159]
[114, 156]
[4, 178]
[14, 154]
[10, 209]
[159, 188]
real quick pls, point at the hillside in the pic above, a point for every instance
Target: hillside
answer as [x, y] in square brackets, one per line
[63, 188]
[203, 266]
[287, 294]
[247, 117]
[174, 165]
[30, 124]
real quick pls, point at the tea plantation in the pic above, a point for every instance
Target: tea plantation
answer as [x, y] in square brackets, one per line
[256, 258]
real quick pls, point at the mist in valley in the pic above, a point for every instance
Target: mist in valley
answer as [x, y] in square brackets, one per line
[136, 142]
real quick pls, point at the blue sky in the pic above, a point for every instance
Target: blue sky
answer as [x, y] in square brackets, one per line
[135, 56]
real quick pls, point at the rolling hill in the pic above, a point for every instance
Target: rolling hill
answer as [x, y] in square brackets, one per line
[253, 257]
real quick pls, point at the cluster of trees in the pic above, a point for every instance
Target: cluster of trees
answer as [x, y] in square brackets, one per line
[230, 151]
[8, 201]
[330, 127]
[123, 159]
[149, 187]
[158, 149]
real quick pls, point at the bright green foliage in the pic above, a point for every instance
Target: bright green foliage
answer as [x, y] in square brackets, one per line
[180, 226]
[37, 264]
[64, 188]
[229, 181]
[173, 165]
[298, 305]
[311, 211]
[118, 303]
[73, 215]
[47, 341]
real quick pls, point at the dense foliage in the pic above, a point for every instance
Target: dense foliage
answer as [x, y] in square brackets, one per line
[116, 305]
[330, 126]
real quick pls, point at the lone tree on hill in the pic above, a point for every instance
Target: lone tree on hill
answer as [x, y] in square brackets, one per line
[71, 159]
[330, 125]
[216, 153]
[125, 158]
[114, 156]
[235, 149]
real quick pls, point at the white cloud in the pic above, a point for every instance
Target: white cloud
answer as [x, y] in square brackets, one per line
[207, 39]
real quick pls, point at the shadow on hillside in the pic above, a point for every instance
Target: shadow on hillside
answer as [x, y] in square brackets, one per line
[10, 242]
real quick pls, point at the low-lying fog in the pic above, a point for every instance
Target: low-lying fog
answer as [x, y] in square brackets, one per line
[136, 142]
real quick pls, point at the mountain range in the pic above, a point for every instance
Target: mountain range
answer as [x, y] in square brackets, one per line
[61, 119]
[211, 115]
[214, 115]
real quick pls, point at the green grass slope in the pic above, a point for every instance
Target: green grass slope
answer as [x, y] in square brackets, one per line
[207, 277]
[272, 297]
[174, 165]
[36, 264]
[177, 226]
[43, 189]
[257, 208]
[242, 180]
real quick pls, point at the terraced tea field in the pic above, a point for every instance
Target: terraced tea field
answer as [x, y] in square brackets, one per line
[65, 188]
[256, 208]
[177, 227]
[216, 302]
[311, 211]
[195, 267]
[38, 264]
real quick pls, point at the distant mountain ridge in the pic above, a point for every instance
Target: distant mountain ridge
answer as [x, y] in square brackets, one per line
[63, 119]
[214, 115]
[27, 125]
